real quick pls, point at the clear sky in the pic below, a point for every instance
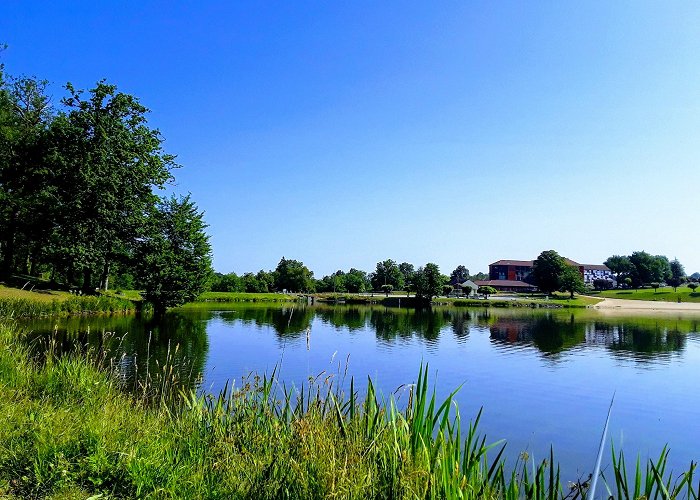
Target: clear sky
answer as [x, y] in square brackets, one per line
[341, 134]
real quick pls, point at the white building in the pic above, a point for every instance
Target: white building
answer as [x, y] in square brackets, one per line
[592, 272]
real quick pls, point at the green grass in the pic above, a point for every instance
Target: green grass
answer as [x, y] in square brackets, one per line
[664, 294]
[133, 295]
[244, 297]
[68, 430]
[36, 295]
[562, 299]
[525, 300]
[74, 305]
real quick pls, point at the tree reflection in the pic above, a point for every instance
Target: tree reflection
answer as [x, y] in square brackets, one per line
[136, 348]
[553, 333]
[287, 321]
[643, 341]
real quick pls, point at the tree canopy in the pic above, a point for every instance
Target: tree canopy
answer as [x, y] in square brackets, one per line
[428, 282]
[677, 277]
[387, 272]
[649, 268]
[459, 275]
[293, 276]
[174, 257]
[547, 269]
[619, 264]
[78, 199]
[570, 280]
[486, 291]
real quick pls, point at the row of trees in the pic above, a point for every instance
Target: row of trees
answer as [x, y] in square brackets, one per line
[78, 198]
[641, 268]
[290, 275]
[551, 272]
[293, 276]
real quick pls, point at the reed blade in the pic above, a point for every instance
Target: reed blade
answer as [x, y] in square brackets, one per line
[596, 470]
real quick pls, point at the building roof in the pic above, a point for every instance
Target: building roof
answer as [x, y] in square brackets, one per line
[468, 283]
[572, 262]
[528, 263]
[507, 262]
[504, 283]
[596, 267]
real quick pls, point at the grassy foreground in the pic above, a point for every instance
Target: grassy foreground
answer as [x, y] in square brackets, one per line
[68, 430]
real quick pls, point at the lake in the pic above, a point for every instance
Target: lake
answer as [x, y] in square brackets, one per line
[543, 377]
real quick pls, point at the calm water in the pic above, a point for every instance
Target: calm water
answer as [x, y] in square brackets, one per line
[543, 377]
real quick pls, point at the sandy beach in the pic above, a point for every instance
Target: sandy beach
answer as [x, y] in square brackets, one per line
[622, 305]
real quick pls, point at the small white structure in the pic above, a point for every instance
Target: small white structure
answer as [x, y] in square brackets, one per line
[468, 288]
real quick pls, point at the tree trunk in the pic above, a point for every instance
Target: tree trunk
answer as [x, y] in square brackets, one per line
[159, 310]
[69, 275]
[87, 282]
[33, 257]
[53, 275]
[104, 279]
[8, 251]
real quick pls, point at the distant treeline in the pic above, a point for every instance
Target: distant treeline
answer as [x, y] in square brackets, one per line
[294, 276]
[77, 195]
[642, 268]
[550, 273]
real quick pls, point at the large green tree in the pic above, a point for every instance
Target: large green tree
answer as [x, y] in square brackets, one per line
[356, 281]
[570, 280]
[230, 282]
[677, 274]
[174, 255]
[459, 275]
[108, 161]
[546, 271]
[620, 265]
[428, 282]
[387, 272]
[408, 272]
[293, 276]
[26, 191]
[649, 268]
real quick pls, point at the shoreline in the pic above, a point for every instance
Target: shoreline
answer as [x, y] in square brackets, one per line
[608, 305]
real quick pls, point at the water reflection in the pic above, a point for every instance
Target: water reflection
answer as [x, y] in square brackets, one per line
[549, 333]
[641, 341]
[137, 349]
[142, 346]
[632, 337]
[287, 321]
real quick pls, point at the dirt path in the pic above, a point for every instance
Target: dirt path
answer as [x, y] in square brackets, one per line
[646, 305]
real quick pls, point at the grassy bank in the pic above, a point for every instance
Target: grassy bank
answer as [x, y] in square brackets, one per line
[557, 300]
[244, 297]
[69, 431]
[664, 294]
[72, 305]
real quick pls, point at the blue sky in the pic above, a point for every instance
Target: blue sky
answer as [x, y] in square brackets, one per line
[341, 134]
